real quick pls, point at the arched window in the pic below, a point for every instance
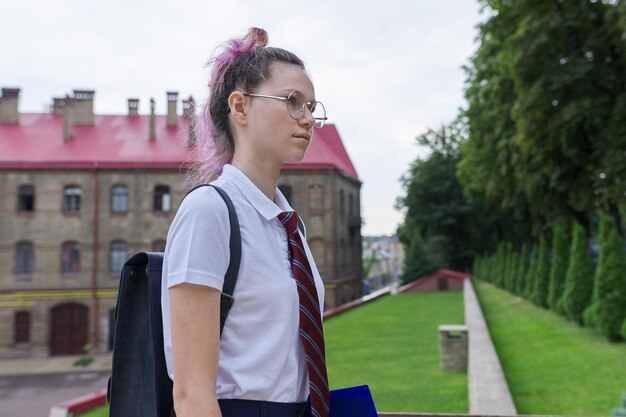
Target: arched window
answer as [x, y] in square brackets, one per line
[71, 199]
[26, 198]
[119, 198]
[24, 259]
[70, 258]
[22, 328]
[162, 198]
[286, 190]
[316, 196]
[119, 253]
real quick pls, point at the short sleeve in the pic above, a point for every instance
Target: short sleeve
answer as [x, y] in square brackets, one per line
[197, 249]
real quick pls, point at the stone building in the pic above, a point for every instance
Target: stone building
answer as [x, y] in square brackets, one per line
[81, 192]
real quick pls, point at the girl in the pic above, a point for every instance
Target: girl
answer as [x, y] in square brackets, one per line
[261, 113]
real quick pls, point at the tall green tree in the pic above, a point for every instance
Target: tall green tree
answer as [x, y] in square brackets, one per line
[579, 278]
[435, 204]
[546, 94]
[609, 293]
[558, 269]
[416, 261]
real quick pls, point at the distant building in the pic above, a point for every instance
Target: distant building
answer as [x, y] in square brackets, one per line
[82, 192]
[384, 258]
[440, 280]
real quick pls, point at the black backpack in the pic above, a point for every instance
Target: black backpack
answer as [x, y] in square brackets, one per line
[139, 385]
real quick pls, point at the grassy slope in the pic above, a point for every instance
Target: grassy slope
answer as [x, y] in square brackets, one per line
[392, 344]
[553, 366]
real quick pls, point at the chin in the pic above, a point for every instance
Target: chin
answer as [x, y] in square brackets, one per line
[294, 158]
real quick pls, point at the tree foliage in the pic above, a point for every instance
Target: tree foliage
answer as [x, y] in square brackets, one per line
[546, 94]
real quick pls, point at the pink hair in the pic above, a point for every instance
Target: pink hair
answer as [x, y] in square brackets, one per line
[216, 149]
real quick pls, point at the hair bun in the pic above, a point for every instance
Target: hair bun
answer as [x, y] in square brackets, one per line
[235, 47]
[254, 37]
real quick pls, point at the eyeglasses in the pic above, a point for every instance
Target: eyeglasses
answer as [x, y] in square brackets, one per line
[296, 105]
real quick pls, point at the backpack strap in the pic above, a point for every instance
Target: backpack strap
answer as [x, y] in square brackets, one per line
[230, 279]
[301, 227]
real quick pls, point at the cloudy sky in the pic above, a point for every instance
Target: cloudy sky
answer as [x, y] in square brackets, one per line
[385, 70]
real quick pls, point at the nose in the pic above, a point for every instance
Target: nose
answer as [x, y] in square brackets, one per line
[307, 118]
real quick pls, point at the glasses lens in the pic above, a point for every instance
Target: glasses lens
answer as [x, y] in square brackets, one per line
[319, 114]
[295, 101]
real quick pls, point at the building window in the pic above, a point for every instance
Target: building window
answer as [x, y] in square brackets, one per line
[350, 204]
[70, 259]
[22, 328]
[158, 245]
[119, 253]
[119, 198]
[26, 198]
[341, 206]
[24, 259]
[162, 198]
[286, 190]
[71, 199]
[316, 196]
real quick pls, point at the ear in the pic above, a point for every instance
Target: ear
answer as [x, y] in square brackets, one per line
[238, 105]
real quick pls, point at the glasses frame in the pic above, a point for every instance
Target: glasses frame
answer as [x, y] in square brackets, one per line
[309, 104]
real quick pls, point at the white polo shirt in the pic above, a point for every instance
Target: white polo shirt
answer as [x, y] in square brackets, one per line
[261, 356]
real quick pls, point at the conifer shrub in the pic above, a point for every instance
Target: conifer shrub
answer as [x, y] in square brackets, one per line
[522, 265]
[500, 264]
[529, 277]
[589, 316]
[512, 274]
[609, 292]
[542, 275]
[558, 267]
[579, 277]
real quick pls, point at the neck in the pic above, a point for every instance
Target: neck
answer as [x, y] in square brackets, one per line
[263, 174]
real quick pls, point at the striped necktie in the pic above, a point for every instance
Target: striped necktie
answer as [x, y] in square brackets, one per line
[311, 332]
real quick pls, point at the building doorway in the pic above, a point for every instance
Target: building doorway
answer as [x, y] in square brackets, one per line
[68, 329]
[442, 283]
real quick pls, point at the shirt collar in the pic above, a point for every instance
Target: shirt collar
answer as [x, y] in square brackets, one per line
[267, 208]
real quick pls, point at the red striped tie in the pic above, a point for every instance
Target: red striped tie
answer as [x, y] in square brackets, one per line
[311, 332]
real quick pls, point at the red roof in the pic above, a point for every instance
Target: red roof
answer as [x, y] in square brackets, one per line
[440, 272]
[121, 141]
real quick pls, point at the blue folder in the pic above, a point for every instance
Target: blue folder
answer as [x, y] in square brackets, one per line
[352, 402]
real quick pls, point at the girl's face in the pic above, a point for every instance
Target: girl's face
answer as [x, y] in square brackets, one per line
[271, 132]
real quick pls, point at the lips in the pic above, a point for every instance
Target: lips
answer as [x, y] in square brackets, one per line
[303, 136]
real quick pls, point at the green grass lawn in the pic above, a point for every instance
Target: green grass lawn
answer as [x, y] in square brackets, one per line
[392, 344]
[96, 412]
[553, 366]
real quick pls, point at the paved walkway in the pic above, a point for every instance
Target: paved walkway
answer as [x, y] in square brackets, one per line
[29, 387]
[55, 364]
[488, 390]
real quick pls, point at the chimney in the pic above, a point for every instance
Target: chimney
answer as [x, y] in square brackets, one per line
[152, 121]
[133, 106]
[8, 105]
[58, 106]
[172, 101]
[82, 107]
[189, 113]
[68, 120]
